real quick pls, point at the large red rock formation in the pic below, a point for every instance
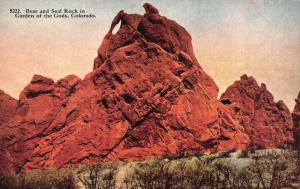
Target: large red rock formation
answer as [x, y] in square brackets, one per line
[296, 122]
[146, 96]
[267, 123]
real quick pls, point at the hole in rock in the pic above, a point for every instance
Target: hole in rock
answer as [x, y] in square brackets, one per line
[118, 78]
[33, 94]
[164, 92]
[187, 84]
[184, 60]
[141, 28]
[226, 101]
[116, 28]
[103, 102]
[129, 53]
[178, 72]
[128, 75]
[209, 143]
[113, 87]
[224, 138]
[181, 58]
[237, 109]
[127, 98]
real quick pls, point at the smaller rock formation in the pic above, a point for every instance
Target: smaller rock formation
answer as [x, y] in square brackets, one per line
[7, 107]
[7, 110]
[38, 105]
[296, 122]
[268, 124]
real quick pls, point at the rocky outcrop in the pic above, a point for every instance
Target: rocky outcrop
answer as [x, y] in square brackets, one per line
[267, 123]
[7, 107]
[152, 27]
[7, 110]
[147, 96]
[296, 122]
[39, 103]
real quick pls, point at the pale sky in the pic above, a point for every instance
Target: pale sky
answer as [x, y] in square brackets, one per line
[231, 37]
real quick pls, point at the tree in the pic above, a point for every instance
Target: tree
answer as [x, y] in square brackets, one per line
[275, 169]
[97, 176]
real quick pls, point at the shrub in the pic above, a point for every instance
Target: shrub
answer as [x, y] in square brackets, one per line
[272, 170]
[243, 154]
[276, 169]
[269, 169]
[47, 179]
[156, 173]
[8, 180]
[225, 154]
[97, 176]
[229, 176]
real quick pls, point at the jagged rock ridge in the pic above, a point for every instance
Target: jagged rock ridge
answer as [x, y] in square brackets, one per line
[7, 107]
[267, 123]
[147, 96]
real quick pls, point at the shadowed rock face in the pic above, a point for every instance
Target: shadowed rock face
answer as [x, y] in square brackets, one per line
[296, 121]
[147, 96]
[267, 123]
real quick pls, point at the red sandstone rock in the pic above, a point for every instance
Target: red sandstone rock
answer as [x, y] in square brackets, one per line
[7, 107]
[267, 123]
[7, 110]
[147, 96]
[39, 104]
